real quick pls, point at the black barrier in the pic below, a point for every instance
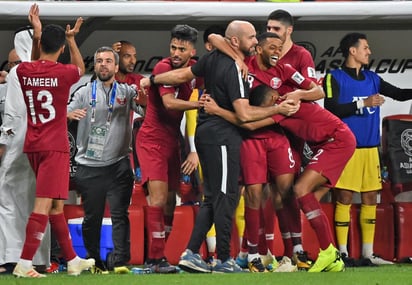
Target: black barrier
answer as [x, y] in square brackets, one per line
[397, 147]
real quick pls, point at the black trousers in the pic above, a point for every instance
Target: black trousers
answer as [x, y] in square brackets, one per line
[113, 183]
[221, 170]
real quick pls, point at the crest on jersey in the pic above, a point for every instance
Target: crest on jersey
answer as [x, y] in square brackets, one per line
[121, 99]
[406, 141]
[275, 82]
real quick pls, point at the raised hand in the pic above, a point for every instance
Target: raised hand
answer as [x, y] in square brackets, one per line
[117, 46]
[34, 20]
[70, 33]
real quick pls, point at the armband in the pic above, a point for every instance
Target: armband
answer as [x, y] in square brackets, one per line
[152, 78]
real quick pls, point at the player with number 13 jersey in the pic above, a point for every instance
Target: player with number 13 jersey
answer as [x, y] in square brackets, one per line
[46, 85]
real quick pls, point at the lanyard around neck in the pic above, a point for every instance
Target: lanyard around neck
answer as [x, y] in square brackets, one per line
[111, 102]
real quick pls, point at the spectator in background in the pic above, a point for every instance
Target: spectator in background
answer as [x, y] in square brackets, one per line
[44, 144]
[354, 95]
[104, 134]
[12, 61]
[158, 144]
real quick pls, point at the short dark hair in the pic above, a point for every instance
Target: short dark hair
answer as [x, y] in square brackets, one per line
[264, 36]
[258, 95]
[350, 40]
[282, 16]
[214, 29]
[52, 38]
[184, 33]
[109, 49]
[126, 43]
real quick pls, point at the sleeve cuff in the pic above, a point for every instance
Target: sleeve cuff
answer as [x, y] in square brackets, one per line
[360, 104]
[192, 145]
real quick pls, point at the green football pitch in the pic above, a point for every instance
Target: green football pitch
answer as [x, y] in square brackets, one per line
[399, 274]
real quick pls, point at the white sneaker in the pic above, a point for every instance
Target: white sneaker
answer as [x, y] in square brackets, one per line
[19, 271]
[77, 268]
[378, 260]
[285, 265]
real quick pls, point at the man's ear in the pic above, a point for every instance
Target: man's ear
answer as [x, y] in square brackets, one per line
[274, 97]
[289, 30]
[234, 41]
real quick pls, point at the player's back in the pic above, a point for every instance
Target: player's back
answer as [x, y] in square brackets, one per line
[311, 123]
[45, 86]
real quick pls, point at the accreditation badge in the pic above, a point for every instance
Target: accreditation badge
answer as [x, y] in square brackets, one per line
[97, 139]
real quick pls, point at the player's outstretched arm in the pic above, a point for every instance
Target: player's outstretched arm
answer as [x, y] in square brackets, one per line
[35, 22]
[75, 55]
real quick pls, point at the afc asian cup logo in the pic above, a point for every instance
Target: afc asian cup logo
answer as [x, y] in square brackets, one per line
[406, 141]
[72, 145]
[309, 46]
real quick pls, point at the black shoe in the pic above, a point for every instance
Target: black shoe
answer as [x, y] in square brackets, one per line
[256, 265]
[160, 266]
[114, 261]
[349, 262]
[99, 267]
[7, 268]
[364, 262]
[406, 260]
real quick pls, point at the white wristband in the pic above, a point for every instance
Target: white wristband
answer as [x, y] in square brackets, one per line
[192, 146]
[360, 104]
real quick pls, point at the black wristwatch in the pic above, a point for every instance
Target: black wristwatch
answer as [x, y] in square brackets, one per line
[151, 78]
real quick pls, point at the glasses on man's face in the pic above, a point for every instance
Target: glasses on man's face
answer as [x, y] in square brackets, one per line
[13, 63]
